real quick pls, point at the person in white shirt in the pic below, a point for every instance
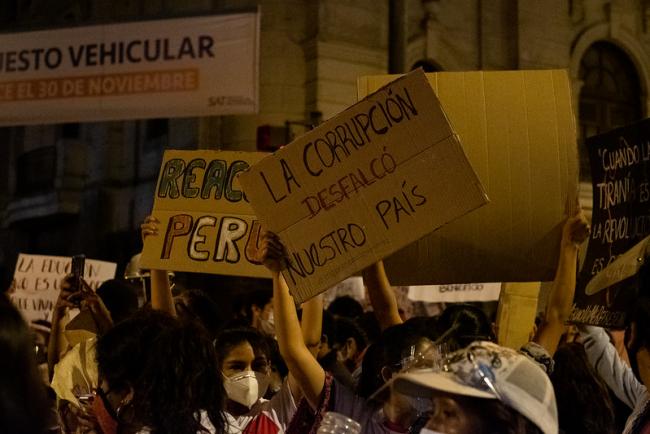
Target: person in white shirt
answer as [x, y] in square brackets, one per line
[244, 358]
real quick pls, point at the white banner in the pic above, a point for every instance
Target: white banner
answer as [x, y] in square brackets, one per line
[202, 66]
[37, 282]
[463, 292]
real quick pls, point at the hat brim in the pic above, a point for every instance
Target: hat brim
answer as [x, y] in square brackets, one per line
[426, 383]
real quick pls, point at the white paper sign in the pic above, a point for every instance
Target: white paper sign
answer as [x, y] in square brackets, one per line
[201, 66]
[454, 293]
[37, 282]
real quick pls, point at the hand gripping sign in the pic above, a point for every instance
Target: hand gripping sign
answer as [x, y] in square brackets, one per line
[376, 177]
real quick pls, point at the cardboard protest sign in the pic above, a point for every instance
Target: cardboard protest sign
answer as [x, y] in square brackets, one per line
[197, 66]
[455, 293]
[620, 171]
[37, 282]
[516, 313]
[518, 132]
[367, 182]
[206, 224]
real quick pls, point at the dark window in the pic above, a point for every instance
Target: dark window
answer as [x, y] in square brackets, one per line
[36, 171]
[70, 131]
[610, 96]
[157, 128]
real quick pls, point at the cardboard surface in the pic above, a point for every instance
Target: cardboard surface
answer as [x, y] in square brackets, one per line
[37, 282]
[516, 313]
[367, 182]
[620, 173]
[518, 131]
[206, 224]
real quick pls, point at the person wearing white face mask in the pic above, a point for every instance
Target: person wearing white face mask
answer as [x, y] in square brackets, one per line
[244, 357]
[261, 311]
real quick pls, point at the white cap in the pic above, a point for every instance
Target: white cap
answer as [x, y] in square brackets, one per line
[489, 371]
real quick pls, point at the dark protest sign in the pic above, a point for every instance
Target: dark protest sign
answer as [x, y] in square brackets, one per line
[376, 177]
[620, 163]
[206, 224]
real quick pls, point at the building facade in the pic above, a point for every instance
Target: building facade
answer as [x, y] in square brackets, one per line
[71, 188]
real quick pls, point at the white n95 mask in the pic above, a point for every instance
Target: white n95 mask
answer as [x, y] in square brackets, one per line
[247, 387]
[268, 325]
[428, 431]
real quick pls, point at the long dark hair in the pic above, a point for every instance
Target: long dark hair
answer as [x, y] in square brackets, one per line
[583, 401]
[494, 417]
[388, 351]
[461, 324]
[171, 368]
[230, 338]
[23, 402]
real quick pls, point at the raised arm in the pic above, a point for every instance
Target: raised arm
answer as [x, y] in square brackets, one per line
[312, 323]
[304, 370]
[605, 359]
[575, 232]
[161, 294]
[382, 296]
[57, 342]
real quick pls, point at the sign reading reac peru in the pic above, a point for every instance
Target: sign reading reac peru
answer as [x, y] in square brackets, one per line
[206, 224]
[376, 177]
[199, 66]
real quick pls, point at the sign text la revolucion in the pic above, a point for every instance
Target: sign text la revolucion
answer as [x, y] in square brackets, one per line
[107, 53]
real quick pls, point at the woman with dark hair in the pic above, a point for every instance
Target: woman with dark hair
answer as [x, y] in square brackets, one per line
[395, 350]
[23, 402]
[244, 359]
[160, 376]
[584, 403]
[401, 347]
[322, 392]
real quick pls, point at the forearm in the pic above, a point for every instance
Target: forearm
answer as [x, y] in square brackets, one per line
[161, 294]
[312, 323]
[382, 296]
[55, 342]
[301, 363]
[560, 300]
[564, 286]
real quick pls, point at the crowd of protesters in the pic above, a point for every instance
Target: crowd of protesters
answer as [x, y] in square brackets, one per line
[174, 366]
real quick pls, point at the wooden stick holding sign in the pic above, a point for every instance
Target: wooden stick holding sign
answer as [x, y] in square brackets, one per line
[376, 177]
